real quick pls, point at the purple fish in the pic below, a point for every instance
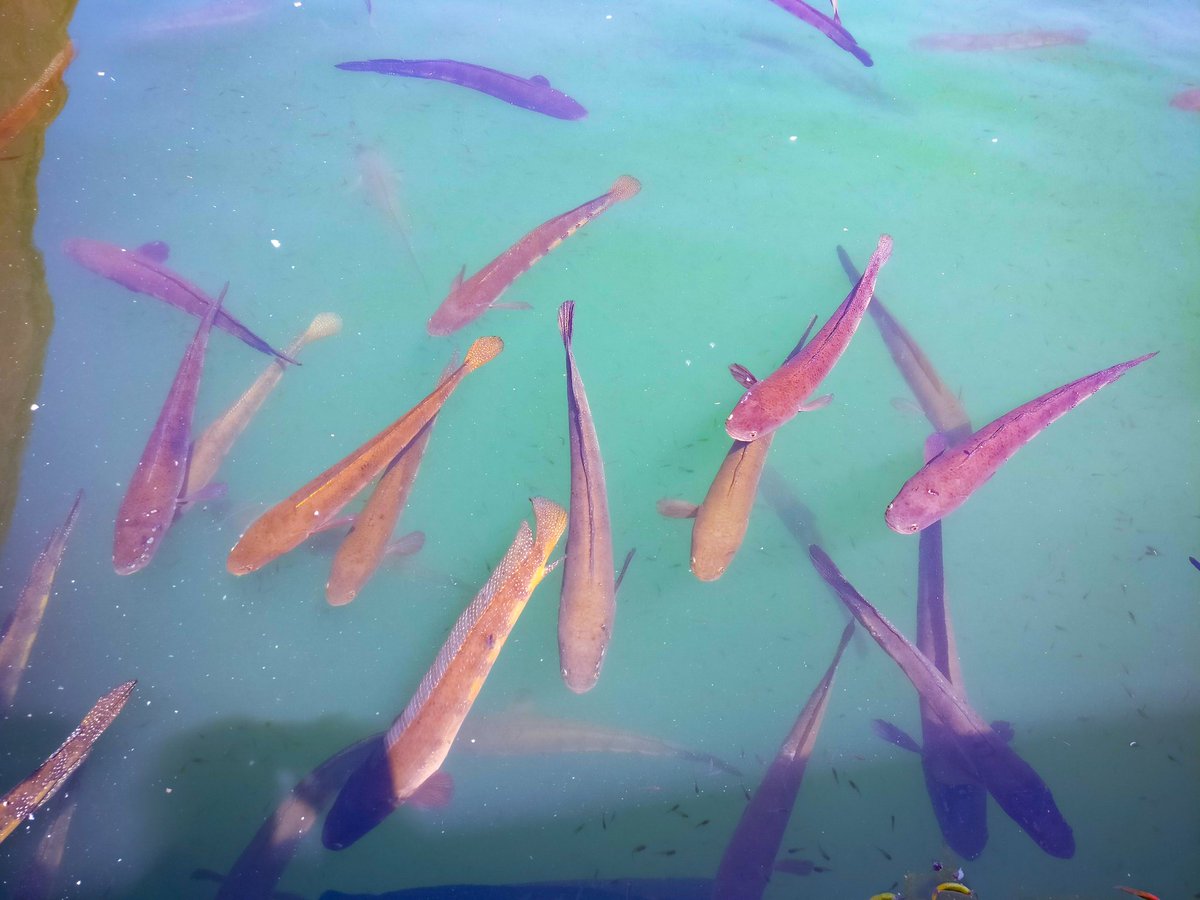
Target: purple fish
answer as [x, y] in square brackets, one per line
[528, 93]
[1018, 789]
[156, 488]
[750, 855]
[831, 28]
[141, 270]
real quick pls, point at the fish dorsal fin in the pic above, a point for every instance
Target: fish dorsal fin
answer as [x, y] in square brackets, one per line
[742, 375]
[540, 79]
[154, 251]
[458, 279]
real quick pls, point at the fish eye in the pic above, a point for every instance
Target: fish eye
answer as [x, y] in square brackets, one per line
[753, 435]
[913, 527]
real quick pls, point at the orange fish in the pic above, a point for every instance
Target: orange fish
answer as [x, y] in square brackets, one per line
[419, 740]
[37, 97]
[288, 523]
[25, 799]
[1145, 895]
[470, 299]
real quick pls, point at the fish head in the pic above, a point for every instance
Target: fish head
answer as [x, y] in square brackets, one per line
[915, 508]
[135, 543]
[751, 418]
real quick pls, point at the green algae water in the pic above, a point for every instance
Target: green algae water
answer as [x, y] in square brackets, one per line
[1043, 203]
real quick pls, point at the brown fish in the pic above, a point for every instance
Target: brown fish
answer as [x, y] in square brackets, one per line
[37, 96]
[587, 605]
[470, 299]
[419, 739]
[21, 628]
[23, 800]
[290, 522]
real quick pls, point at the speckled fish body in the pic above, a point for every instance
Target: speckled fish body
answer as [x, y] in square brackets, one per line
[1014, 784]
[831, 28]
[156, 486]
[947, 480]
[23, 623]
[469, 299]
[287, 524]
[421, 737]
[360, 553]
[749, 857]
[214, 443]
[777, 398]
[1011, 40]
[534, 93]
[23, 800]
[141, 270]
[587, 604]
[260, 866]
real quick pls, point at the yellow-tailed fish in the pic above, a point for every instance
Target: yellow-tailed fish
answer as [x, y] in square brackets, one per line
[363, 549]
[418, 741]
[210, 448]
[23, 800]
[21, 628]
[288, 523]
[952, 887]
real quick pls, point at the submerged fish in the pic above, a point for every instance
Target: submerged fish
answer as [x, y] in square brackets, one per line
[950, 477]
[777, 398]
[831, 28]
[749, 857]
[418, 741]
[1012, 40]
[364, 548]
[528, 93]
[214, 443]
[211, 14]
[1187, 100]
[37, 96]
[470, 299]
[38, 880]
[1144, 895]
[291, 521]
[381, 185]
[141, 270]
[156, 488]
[587, 604]
[521, 731]
[23, 623]
[25, 799]
[1018, 789]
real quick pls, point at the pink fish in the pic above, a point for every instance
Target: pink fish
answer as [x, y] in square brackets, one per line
[470, 299]
[777, 398]
[156, 488]
[1189, 100]
[1012, 40]
[951, 476]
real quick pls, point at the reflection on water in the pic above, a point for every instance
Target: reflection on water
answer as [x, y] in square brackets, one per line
[1031, 164]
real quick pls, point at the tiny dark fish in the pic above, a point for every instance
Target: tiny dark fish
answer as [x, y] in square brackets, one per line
[1195, 562]
[893, 823]
[825, 856]
[1132, 617]
[702, 823]
[886, 855]
[836, 780]
[795, 849]
[850, 781]
[673, 808]
[746, 791]
[666, 852]
[696, 785]
[579, 827]
[821, 869]
[603, 822]
[639, 848]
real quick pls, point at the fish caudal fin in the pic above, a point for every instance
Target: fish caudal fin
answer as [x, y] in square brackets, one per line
[550, 520]
[566, 321]
[624, 187]
[483, 351]
[323, 325]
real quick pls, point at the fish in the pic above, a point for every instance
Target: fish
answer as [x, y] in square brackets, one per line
[1012, 40]
[522, 731]
[470, 299]
[23, 623]
[212, 14]
[37, 97]
[775, 399]
[797, 866]
[363, 549]
[941, 406]
[155, 489]
[724, 516]
[141, 270]
[27, 797]
[261, 864]
[1195, 562]
[587, 603]
[38, 880]
[417, 743]
[214, 443]
[749, 857]
[831, 28]
[381, 185]
[535, 93]
[590, 889]
[893, 735]
[950, 477]
[1188, 100]
[1145, 895]
[290, 522]
[1019, 790]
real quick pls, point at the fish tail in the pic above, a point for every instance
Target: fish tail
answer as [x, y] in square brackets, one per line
[566, 321]
[624, 187]
[323, 325]
[483, 351]
[551, 522]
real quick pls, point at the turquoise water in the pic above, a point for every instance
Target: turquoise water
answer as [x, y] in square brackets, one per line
[1043, 205]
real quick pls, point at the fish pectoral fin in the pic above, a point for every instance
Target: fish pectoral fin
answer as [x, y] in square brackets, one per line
[458, 279]
[496, 304]
[434, 793]
[406, 545]
[677, 509]
[214, 491]
[552, 566]
[742, 375]
[1004, 730]
[155, 251]
[540, 79]
[819, 403]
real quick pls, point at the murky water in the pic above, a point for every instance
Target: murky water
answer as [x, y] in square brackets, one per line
[1043, 205]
